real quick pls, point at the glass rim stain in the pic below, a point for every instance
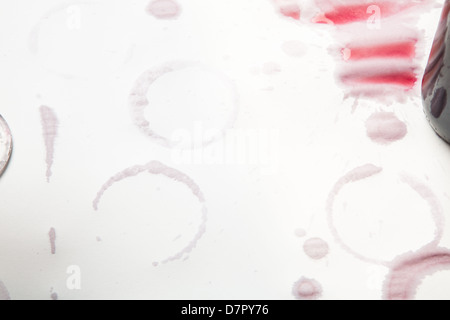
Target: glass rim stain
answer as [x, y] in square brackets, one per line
[5, 145]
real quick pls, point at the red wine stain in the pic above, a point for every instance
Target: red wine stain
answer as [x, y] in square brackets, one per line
[50, 124]
[307, 289]
[316, 248]
[156, 168]
[403, 49]
[344, 14]
[164, 9]
[52, 236]
[4, 294]
[367, 171]
[385, 128]
[409, 270]
[405, 79]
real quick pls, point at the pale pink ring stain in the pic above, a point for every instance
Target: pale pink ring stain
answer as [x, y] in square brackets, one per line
[369, 170]
[138, 102]
[408, 271]
[154, 168]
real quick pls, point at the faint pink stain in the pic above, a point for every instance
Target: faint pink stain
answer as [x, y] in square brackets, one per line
[289, 8]
[50, 125]
[155, 168]
[385, 128]
[4, 294]
[52, 237]
[307, 289]
[316, 248]
[164, 9]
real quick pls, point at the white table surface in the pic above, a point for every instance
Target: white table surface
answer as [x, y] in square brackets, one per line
[241, 69]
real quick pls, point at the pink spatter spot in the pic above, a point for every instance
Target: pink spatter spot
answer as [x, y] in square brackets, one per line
[50, 125]
[385, 128]
[288, 8]
[4, 294]
[156, 167]
[292, 11]
[408, 271]
[164, 9]
[54, 296]
[52, 237]
[307, 289]
[316, 248]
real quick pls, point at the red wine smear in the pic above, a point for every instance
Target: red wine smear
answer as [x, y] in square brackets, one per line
[405, 49]
[316, 248]
[379, 55]
[52, 237]
[385, 128]
[4, 294]
[409, 270]
[289, 8]
[50, 125]
[156, 168]
[164, 9]
[307, 289]
[404, 79]
[356, 12]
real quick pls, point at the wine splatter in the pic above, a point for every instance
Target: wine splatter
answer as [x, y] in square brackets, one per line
[156, 168]
[50, 125]
[4, 294]
[52, 237]
[54, 296]
[164, 9]
[385, 128]
[307, 289]
[378, 58]
[367, 171]
[288, 8]
[138, 102]
[409, 270]
[316, 248]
